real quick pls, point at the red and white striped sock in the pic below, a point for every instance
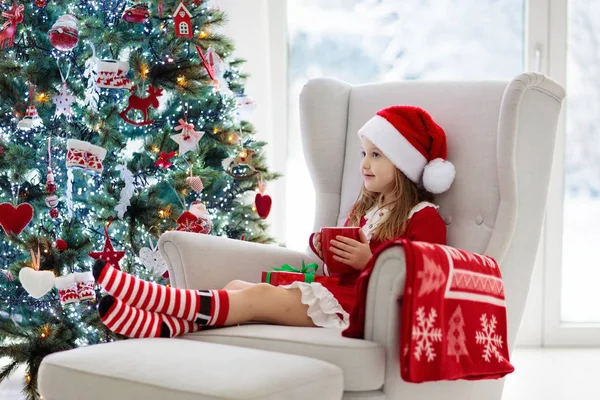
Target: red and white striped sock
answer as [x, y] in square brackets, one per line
[136, 323]
[205, 307]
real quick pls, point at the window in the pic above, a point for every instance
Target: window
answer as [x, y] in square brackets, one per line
[184, 28]
[377, 40]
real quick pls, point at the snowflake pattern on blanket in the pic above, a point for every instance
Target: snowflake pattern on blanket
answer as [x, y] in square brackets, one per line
[453, 316]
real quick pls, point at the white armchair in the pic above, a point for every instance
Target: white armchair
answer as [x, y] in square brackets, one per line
[501, 141]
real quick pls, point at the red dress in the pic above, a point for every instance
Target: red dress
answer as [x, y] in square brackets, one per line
[425, 225]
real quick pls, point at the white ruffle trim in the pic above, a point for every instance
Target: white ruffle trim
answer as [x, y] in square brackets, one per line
[323, 308]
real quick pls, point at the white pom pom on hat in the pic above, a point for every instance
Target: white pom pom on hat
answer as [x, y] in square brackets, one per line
[414, 143]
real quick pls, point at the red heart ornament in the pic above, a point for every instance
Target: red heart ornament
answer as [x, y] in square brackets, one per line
[14, 219]
[263, 205]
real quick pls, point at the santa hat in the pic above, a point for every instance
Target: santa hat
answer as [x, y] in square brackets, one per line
[414, 143]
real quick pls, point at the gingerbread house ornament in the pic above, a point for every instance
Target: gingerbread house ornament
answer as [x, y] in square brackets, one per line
[183, 21]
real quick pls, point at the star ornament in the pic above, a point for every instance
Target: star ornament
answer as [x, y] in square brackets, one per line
[109, 254]
[63, 102]
[163, 160]
[188, 138]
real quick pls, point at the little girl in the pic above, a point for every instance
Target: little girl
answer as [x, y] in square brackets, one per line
[403, 162]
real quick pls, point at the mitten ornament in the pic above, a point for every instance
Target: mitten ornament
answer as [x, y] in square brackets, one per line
[112, 74]
[197, 219]
[67, 289]
[183, 21]
[64, 34]
[85, 156]
[85, 285]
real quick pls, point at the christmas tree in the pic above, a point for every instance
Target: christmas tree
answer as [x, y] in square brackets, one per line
[119, 121]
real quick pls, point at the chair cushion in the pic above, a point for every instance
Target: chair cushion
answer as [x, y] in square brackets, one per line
[184, 370]
[362, 362]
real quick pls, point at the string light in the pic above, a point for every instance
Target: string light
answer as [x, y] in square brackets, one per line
[181, 80]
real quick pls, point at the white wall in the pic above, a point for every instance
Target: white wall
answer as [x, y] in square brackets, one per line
[262, 42]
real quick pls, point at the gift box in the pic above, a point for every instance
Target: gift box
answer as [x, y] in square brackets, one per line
[288, 274]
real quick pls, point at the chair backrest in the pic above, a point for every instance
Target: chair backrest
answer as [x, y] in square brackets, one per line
[500, 139]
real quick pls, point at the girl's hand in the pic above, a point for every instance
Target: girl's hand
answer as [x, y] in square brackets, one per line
[351, 252]
[317, 244]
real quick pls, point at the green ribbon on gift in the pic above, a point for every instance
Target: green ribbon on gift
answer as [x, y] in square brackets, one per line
[308, 271]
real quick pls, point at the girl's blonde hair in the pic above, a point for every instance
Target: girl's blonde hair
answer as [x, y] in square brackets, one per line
[404, 195]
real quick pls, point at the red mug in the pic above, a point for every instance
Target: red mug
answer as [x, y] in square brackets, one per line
[328, 234]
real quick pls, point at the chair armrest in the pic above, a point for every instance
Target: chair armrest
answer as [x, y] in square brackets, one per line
[197, 261]
[386, 285]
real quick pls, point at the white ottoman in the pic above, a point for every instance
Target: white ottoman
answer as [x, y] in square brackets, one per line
[177, 369]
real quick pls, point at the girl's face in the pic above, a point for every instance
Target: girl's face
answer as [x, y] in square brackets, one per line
[377, 170]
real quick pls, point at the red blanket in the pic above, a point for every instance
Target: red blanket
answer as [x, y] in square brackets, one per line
[453, 314]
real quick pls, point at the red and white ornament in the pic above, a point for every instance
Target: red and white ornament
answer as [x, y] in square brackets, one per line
[64, 34]
[197, 219]
[188, 138]
[13, 17]
[85, 156]
[85, 285]
[31, 119]
[195, 183]
[63, 102]
[183, 21]
[67, 289]
[112, 74]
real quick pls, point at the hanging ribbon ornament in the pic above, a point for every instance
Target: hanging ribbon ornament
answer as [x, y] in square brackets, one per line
[31, 119]
[127, 192]
[188, 138]
[51, 198]
[64, 99]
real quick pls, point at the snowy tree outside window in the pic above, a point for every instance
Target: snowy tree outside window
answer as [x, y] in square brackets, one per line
[581, 210]
[387, 40]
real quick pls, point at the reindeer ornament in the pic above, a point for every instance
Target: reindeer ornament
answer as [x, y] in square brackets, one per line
[143, 104]
[14, 16]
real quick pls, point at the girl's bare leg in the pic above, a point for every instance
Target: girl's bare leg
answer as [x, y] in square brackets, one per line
[266, 303]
